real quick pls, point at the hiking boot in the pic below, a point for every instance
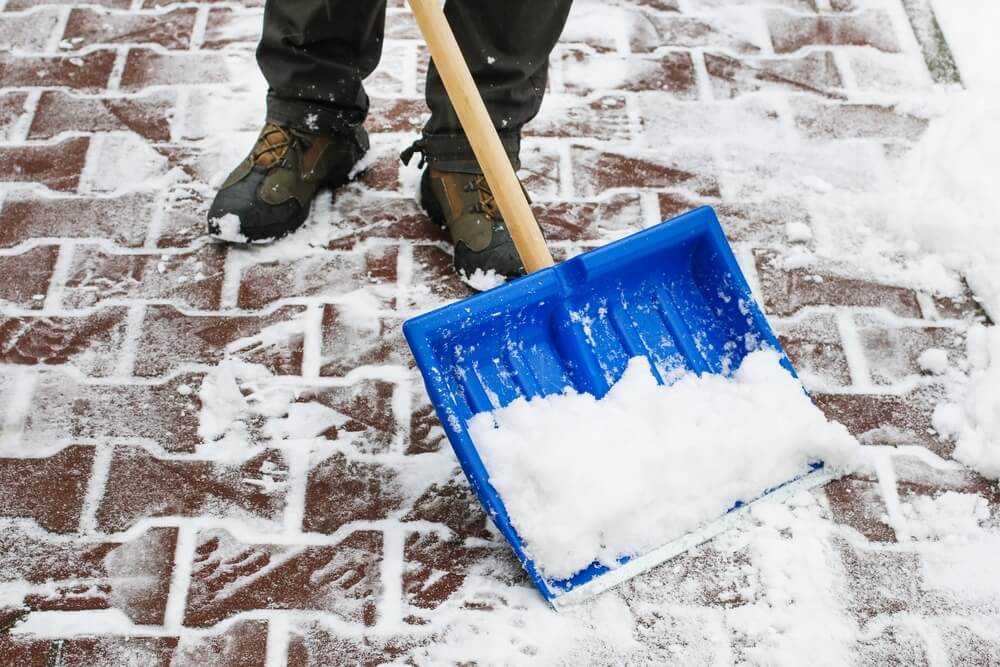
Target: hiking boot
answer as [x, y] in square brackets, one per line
[464, 204]
[270, 193]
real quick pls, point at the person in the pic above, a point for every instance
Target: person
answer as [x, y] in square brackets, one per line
[314, 55]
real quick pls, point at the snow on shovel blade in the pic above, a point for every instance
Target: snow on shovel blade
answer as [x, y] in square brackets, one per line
[672, 293]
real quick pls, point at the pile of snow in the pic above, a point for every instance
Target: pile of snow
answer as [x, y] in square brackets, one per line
[945, 201]
[972, 417]
[586, 479]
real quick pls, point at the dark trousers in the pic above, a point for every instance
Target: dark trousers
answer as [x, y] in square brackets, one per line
[315, 53]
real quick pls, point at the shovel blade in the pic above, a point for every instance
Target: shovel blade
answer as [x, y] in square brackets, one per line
[672, 293]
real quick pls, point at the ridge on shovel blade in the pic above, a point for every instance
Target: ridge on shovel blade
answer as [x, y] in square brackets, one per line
[672, 293]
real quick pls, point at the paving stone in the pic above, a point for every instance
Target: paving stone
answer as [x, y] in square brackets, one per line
[968, 646]
[325, 274]
[814, 347]
[48, 490]
[671, 73]
[604, 118]
[788, 290]
[857, 502]
[352, 339]
[892, 352]
[131, 576]
[814, 72]
[171, 30]
[665, 120]
[90, 72]
[244, 644]
[63, 408]
[146, 67]
[453, 504]
[759, 223]
[425, 434]
[229, 577]
[34, 271]
[226, 27]
[27, 32]
[848, 121]
[363, 418]
[184, 218]
[140, 485]
[790, 32]
[192, 279]
[341, 490]
[156, 4]
[56, 166]
[19, 5]
[436, 568]
[897, 645]
[396, 115]
[356, 217]
[122, 219]
[597, 171]
[609, 218]
[146, 115]
[91, 343]
[314, 644]
[667, 28]
[12, 109]
[171, 338]
[885, 582]
[887, 419]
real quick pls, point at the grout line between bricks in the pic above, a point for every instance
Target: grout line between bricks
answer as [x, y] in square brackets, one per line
[58, 30]
[881, 460]
[199, 28]
[25, 379]
[848, 82]
[57, 282]
[95, 487]
[22, 128]
[299, 465]
[118, 69]
[854, 352]
[133, 331]
[565, 150]
[703, 82]
[312, 341]
[278, 629]
[390, 608]
[173, 617]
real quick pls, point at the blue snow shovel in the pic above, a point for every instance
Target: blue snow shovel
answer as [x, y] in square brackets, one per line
[672, 293]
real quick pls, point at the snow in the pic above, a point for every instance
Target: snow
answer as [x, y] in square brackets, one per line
[482, 280]
[972, 415]
[934, 360]
[229, 229]
[586, 479]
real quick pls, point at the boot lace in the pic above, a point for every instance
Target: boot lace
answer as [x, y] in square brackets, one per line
[271, 146]
[487, 202]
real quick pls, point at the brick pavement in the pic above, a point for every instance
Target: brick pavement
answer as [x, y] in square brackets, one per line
[325, 522]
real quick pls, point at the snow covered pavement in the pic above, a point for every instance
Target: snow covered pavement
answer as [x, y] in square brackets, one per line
[217, 455]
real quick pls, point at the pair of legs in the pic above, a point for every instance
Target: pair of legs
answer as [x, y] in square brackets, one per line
[315, 53]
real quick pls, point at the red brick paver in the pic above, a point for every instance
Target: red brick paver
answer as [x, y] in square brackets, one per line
[318, 517]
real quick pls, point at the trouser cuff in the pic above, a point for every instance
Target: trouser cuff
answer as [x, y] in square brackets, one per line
[452, 152]
[314, 118]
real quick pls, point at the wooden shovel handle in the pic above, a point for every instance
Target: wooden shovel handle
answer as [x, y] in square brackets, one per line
[482, 135]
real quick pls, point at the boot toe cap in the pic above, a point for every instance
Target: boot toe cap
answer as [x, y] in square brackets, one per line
[238, 214]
